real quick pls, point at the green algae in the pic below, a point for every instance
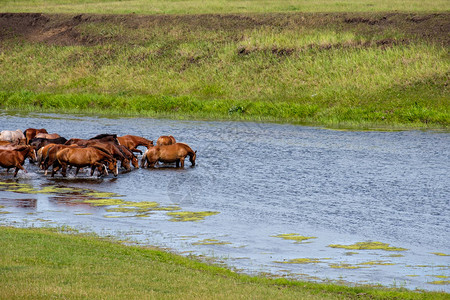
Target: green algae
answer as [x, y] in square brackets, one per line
[210, 242]
[190, 216]
[368, 246]
[412, 275]
[4, 212]
[377, 263]
[440, 282]
[345, 266]
[294, 236]
[302, 261]
[350, 253]
[126, 209]
[83, 214]
[440, 254]
[104, 202]
[394, 255]
[439, 276]
[96, 194]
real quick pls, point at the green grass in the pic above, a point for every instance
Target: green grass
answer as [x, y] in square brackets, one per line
[44, 264]
[218, 6]
[360, 70]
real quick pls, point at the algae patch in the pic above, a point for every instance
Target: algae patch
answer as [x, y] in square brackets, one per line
[190, 216]
[377, 263]
[302, 261]
[210, 242]
[368, 246]
[440, 282]
[346, 266]
[440, 254]
[294, 237]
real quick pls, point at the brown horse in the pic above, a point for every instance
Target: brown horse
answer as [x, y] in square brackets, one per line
[165, 140]
[85, 157]
[48, 156]
[30, 133]
[131, 157]
[175, 153]
[113, 150]
[48, 136]
[16, 158]
[133, 141]
[99, 138]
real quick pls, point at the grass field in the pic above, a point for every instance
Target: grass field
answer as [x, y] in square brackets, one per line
[349, 70]
[45, 264]
[219, 6]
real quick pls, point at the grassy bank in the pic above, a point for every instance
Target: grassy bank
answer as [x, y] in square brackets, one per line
[43, 264]
[349, 69]
[216, 6]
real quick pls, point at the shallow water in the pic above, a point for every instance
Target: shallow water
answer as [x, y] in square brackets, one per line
[261, 180]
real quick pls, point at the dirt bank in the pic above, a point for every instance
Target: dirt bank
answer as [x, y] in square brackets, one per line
[63, 29]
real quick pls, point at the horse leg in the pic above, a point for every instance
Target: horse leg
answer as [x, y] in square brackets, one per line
[19, 167]
[136, 150]
[64, 169]
[143, 161]
[182, 161]
[177, 163]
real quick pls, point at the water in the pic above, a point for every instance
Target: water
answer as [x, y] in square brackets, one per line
[340, 187]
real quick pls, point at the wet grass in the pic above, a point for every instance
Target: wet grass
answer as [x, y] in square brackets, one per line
[339, 70]
[42, 263]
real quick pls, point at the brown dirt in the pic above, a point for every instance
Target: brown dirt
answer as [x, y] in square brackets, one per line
[62, 29]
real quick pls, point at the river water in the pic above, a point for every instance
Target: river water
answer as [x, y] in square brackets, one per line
[260, 183]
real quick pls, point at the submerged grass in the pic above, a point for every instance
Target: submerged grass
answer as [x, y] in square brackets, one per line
[43, 264]
[348, 70]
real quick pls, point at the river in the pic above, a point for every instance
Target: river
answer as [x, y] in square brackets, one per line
[256, 191]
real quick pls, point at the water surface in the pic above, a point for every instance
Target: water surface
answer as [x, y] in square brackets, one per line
[262, 180]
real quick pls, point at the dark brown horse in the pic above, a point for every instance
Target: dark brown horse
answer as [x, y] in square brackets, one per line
[99, 138]
[165, 140]
[16, 158]
[30, 133]
[85, 157]
[133, 141]
[175, 153]
[41, 142]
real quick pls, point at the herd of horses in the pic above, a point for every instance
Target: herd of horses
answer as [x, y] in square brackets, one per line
[101, 152]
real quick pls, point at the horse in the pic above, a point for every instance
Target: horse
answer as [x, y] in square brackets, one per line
[31, 133]
[113, 150]
[41, 142]
[133, 141]
[85, 157]
[11, 136]
[49, 136]
[130, 155]
[165, 140]
[99, 138]
[175, 153]
[16, 158]
[47, 156]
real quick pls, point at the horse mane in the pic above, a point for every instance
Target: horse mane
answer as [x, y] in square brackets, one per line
[103, 135]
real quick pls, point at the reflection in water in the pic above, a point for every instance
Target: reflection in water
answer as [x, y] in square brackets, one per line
[257, 192]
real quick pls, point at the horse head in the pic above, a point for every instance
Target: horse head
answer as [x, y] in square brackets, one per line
[112, 166]
[192, 157]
